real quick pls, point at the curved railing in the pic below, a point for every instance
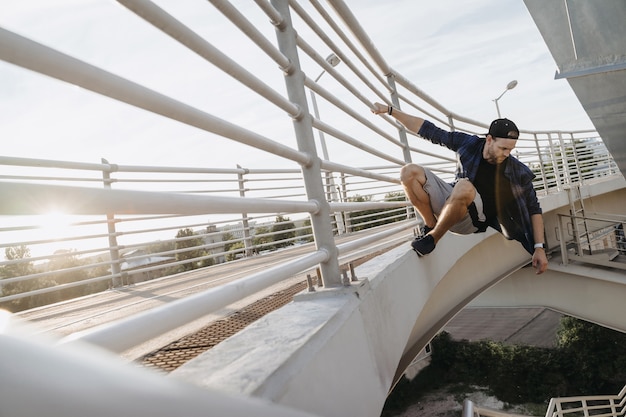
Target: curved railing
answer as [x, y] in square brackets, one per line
[592, 405]
[136, 222]
[596, 405]
[119, 249]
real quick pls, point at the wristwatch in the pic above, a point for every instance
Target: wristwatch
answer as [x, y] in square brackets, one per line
[540, 245]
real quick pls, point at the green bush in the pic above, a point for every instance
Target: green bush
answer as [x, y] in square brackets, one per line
[588, 360]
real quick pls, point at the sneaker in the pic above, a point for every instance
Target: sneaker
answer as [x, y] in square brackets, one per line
[423, 230]
[423, 245]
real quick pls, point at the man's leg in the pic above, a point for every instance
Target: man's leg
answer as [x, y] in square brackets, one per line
[413, 179]
[453, 211]
[455, 208]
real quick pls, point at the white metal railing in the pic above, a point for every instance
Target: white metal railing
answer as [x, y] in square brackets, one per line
[135, 222]
[600, 241]
[597, 405]
[594, 405]
[123, 239]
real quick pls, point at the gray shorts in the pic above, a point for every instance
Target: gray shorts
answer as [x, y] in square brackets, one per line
[439, 191]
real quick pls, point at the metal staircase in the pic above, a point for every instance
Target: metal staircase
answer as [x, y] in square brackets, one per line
[579, 224]
[596, 238]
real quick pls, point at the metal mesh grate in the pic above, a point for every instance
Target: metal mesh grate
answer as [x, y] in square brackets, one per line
[177, 353]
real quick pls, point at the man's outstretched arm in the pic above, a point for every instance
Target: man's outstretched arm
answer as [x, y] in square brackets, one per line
[411, 123]
[540, 260]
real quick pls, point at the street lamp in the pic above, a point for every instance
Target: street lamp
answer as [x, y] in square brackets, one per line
[333, 60]
[509, 86]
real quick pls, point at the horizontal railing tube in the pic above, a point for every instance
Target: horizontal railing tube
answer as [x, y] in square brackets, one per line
[28, 54]
[121, 336]
[98, 201]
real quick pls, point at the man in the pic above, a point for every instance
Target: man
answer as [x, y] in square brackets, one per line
[491, 188]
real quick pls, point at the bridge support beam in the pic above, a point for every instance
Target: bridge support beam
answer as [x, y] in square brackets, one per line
[592, 293]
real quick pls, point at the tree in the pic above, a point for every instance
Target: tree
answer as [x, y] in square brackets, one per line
[236, 249]
[364, 219]
[22, 267]
[17, 253]
[64, 269]
[159, 247]
[66, 259]
[96, 272]
[262, 238]
[596, 356]
[229, 241]
[306, 233]
[184, 240]
[286, 231]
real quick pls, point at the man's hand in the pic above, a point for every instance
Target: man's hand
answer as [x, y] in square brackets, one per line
[540, 261]
[411, 123]
[380, 108]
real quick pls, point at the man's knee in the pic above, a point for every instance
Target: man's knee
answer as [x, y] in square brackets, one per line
[464, 190]
[412, 172]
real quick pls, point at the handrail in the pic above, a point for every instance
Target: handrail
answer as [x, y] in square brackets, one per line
[97, 201]
[596, 405]
[139, 328]
[588, 243]
[34, 56]
[610, 405]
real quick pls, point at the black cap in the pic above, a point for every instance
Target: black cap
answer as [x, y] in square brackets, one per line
[503, 128]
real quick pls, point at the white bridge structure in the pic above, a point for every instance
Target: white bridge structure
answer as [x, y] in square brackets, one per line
[339, 347]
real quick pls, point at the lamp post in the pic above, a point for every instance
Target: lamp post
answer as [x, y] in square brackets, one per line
[509, 86]
[333, 60]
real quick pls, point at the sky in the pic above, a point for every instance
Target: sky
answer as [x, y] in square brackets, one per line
[461, 52]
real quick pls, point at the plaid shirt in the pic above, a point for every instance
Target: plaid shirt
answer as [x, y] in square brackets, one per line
[469, 150]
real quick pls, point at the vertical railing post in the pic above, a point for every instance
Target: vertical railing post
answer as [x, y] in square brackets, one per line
[406, 152]
[555, 165]
[564, 161]
[401, 132]
[562, 230]
[468, 408]
[247, 240]
[343, 195]
[451, 122]
[613, 407]
[114, 251]
[577, 164]
[613, 169]
[541, 164]
[331, 194]
[303, 126]
[559, 410]
[341, 226]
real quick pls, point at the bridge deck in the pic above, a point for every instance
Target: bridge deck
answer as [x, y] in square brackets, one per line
[82, 314]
